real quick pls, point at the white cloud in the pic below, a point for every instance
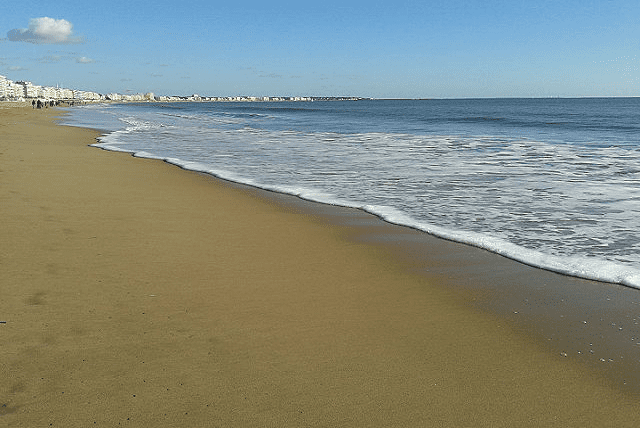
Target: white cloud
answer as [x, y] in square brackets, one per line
[45, 31]
[84, 60]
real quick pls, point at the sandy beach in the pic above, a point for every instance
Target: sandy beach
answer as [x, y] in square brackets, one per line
[138, 294]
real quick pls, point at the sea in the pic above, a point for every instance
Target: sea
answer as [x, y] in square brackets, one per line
[553, 183]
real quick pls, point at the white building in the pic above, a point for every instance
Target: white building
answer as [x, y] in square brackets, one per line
[49, 93]
[4, 87]
[133, 97]
[21, 90]
[87, 95]
[15, 91]
[64, 94]
[10, 90]
[29, 90]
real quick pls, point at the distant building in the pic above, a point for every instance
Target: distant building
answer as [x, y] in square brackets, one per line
[87, 96]
[29, 90]
[4, 87]
[49, 92]
[20, 90]
[65, 94]
[15, 91]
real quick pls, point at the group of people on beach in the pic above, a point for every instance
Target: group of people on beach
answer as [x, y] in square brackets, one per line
[45, 104]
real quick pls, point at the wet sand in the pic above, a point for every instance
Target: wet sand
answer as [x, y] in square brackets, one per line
[139, 294]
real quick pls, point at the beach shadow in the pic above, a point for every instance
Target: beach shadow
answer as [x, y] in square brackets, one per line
[6, 410]
[36, 299]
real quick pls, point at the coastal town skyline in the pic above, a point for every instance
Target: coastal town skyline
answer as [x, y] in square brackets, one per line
[22, 90]
[455, 49]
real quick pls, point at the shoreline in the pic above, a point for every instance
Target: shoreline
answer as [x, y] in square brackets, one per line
[144, 293]
[569, 316]
[582, 261]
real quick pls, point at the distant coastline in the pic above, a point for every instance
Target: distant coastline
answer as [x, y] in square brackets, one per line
[22, 90]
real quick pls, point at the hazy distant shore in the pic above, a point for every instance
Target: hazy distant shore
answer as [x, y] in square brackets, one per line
[25, 91]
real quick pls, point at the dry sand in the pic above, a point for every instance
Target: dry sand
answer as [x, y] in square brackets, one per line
[138, 294]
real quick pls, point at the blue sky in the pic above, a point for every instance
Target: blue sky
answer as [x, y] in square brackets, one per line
[387, 49]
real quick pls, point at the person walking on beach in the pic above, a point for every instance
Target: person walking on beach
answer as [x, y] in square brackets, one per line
[33, 104]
